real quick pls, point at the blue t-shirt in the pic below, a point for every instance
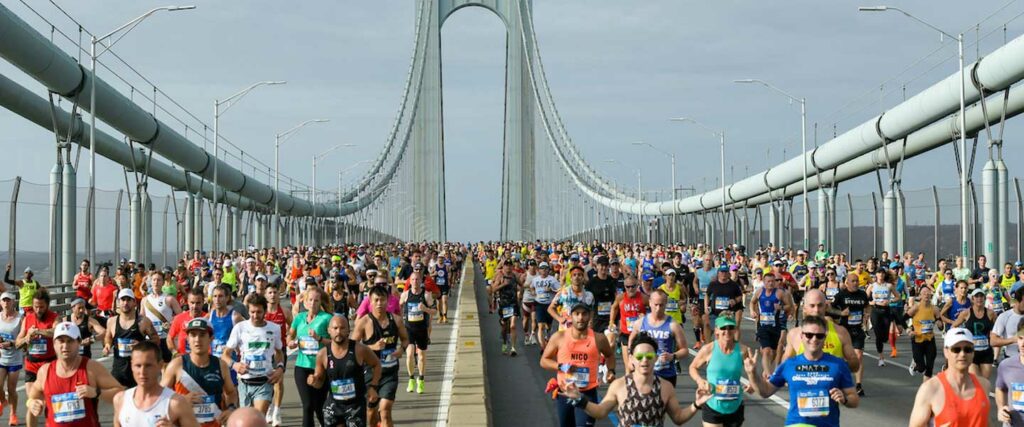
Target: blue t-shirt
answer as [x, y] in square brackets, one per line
[809, 385]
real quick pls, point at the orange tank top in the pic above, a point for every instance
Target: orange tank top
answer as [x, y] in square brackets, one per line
[583, 356]
[957, 412]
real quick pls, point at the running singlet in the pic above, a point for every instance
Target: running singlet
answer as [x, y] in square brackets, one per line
[924, 323]
[389, 335]
[630, 309]
[724, 372]
[809, 383]
[672, 307]
[222, 326]
[206, 381]
[981, 328]
[27, 292]
[662, 334]
[9, 329]
[962, 412]
[767, 303]
[345, 378]
[40, 348]
[956, 308]
[415, 318]
[105, 296]
[277, 316]
[544, 289]
[704, 278]
[583, 356]
[131, 415]
[833, 345]
[63, 406]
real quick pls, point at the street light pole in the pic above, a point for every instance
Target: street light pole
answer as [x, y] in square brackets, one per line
[313, 198]
[229, 102]
[93, 55]
[803, 148]
[277, 171]
[672, 157]
[964, 172]
[721, 143]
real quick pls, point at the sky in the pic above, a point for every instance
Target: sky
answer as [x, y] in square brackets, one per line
[618, 71]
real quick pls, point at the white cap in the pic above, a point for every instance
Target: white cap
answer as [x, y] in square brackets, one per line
[9, 295]
[955, 336]
[67, 329]
[670, 271]
[261, 277]
[544, 265]
[28, 269]
[125, 293]
[227, 263]
[801, 252]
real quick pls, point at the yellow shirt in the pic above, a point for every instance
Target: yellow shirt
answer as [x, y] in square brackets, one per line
[833, 345]
[864, 278]
[490, 266]
[924, 324]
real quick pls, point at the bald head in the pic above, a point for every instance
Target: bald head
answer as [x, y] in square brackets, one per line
[247, 417]
[814, 303]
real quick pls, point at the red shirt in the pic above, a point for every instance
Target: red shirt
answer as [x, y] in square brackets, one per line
[34, 361]
[83, 285]
[431, 285]
[105, 296]
[56, 389]
[177, 331]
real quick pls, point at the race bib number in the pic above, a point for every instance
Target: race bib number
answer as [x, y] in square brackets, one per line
[343, 389]
[257, 364]
[160, 327]
[831, 293]
[629, 323]
[67, 407]
[721, 303]
[507, 312]
[812, 404]
[580, 377]
[217, 347]
[1017, 397]
[767, 319]
[672, 305]
[881, 296]
[386, 360]
[726, 389]
[308, 345]
[980, 343]
[604, 308]
[125, 346]
[415, 313]
[206, 410]
[856, 318]
[927, 326]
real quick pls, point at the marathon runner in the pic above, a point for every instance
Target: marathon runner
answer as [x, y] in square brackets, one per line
[925, 318]
[11, 356]
[417, 309]
[819, 381]
[836, 341]
[261, 354]
[441, 277]
[640, 398]
[308, 333]
[574, 354]
[677, 297]
[343, 365]
[956, 305]
[203, 380]
[282, 318]
[177, 337]
[82, 281]
[667, 333]
[37, 335]
[1010, 385]
[529, 305]
[88, 326]
[955, 397]
[27, 288]
[882, 293]
[387, 338]
[979, 321]
[506, 288]
[162, 405]
[160, 309]
[103, 292]
[569, 296]
[849, 306]
[223, 318]
[602, 286]
[770, 306]
[724, 297]
[124, 332]
[545, 286]
[626, 310]
[70, 386]
[726, 360]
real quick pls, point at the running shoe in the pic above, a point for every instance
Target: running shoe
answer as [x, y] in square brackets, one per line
[412, 385]
[277, 418]
[894, 353]
[697, 345]
[881, 362]
[860, 390]
[419, 386]
[512, 352]
[13, 420]
[504, 348]
[910, 369]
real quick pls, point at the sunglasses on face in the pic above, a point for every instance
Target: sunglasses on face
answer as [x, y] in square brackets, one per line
[811, 336]
[641, 356]
[964, 349]
[631, 287]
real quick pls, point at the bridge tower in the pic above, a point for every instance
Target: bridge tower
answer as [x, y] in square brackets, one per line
[518, 212]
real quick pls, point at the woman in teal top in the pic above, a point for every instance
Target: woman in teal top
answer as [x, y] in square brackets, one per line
[309, 334]
[726, 361]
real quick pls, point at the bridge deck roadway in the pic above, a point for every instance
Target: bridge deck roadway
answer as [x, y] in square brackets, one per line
[517, 398]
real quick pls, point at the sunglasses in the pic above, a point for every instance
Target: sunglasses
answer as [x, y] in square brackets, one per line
[964, 349]
[631, 287]
[645, 356]
[810, 336]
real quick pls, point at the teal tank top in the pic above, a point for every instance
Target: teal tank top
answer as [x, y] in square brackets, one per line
[724, 372]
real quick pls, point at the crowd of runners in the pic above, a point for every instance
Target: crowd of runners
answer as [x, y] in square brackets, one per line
[207, 342]
[811, 315]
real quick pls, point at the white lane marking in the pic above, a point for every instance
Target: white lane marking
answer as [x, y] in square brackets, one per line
[449, 359]
[782, 402]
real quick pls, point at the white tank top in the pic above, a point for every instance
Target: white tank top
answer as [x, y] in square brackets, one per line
[158, 302]
[131, 415]
[9, 331]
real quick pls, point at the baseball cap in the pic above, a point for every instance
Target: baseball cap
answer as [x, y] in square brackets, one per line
[778, 262]
[580, 306]
[978, 291]
[955, 336]
[723, 269]
[261, 277]
[9, 295]
[125, 293]
[801, 252]
[28, 269]
[895, 264]
[199, 323]
[670, 271]
[574, 256]
[67, 329]
[648, 276]
[722, 321]
[544, 265]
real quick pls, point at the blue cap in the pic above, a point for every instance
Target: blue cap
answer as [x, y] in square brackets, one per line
[896, 264]
[1017, 285]
[1018, 263]
[723, 269]
[648, 276]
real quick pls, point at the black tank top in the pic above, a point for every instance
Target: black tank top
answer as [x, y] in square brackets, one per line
[345, 377]
[340, 305]
[387, 334]
[86, 331]
[208, 378]
[125, 339]
[981, 328]
[414, 317]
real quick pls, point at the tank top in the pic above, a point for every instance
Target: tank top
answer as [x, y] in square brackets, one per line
[9, 330]
[125, 340]
[833, 345]
[415, 318]
[672, 305]
[134, 416]
[222, 326]
[662, 334]
[630, 309]
[208, 380]
[642, 409]
[86, 331]
[956, 308]
[924, 323]
[830, 293]
[582, 354]
[105, 296]
[389, 335]
[947, 287]
[40, 348]
[980, 327]
[159, 303]
[962, 412]
[766, 302]
[724, 372]
[345, 378]
[881, 295]
[277, 316]
[63, 406]
[340, 305]
[27, 292]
